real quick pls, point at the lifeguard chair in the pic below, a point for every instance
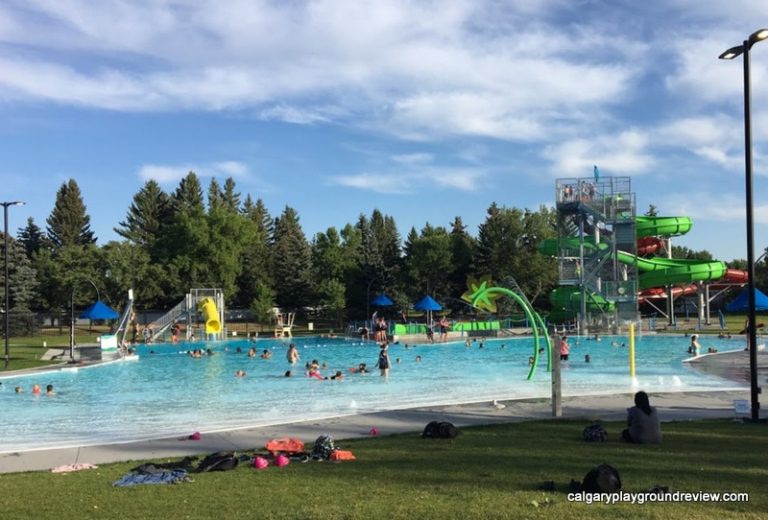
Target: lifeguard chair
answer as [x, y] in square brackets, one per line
[284, 324]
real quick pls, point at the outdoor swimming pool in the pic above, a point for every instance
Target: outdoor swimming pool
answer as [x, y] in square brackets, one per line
[167, 393]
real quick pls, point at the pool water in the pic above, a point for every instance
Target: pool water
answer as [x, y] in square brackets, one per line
[164, 392]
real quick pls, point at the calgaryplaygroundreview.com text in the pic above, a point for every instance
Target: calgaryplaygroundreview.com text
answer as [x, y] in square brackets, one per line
[642, 498]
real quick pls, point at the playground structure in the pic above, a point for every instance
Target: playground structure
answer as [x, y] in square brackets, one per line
[201, 311]
[602, 250]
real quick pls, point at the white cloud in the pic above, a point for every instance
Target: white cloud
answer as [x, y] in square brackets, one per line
[415, 69]
[622, 154]
[413, 158]
[718, 207]
[375, 182]
[414, 180]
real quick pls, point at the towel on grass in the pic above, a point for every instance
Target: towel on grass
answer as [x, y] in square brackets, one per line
[68, 468]
[174, 476]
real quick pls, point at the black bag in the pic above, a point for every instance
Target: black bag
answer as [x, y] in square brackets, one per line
[221, 461]
[431, 430]
[602, 479]
[447, 430]
[440, 430]
[323, 448]
[594, 433]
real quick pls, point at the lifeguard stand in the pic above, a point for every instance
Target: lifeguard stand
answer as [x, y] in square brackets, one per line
[283, 323]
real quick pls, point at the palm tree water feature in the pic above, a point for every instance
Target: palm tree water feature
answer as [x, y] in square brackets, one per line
[163, 392]
[483, 296]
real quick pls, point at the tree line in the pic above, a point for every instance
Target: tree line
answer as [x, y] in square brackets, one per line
[171, 242]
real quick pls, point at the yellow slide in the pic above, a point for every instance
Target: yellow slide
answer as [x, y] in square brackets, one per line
[211, 315]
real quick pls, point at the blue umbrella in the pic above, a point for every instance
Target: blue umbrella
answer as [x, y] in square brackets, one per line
[382, 300]
[99, 311]
[427, 304]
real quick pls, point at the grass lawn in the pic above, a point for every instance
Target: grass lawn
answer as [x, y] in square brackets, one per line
[487, 472]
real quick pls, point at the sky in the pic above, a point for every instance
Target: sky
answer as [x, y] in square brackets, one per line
[423, 109]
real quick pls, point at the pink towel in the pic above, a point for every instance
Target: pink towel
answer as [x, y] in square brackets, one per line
[69, 468]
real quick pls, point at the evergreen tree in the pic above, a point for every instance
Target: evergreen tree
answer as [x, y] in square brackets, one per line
[68, 223]
[263, 304]
[231, 198]
[215, 196]
[188, 195]
[256, 258]
[31, 237]
[429, 262]
[22, 283]
[292, 261]
[148, 213]
[462, 256]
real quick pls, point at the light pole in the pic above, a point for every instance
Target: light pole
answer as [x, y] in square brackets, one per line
[7, 288]
[72, 318]
[731, 53]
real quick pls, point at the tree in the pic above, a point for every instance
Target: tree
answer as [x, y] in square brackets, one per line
[292, 261]
[429, 262]
[256, 257]
[263, 303]
[68, 223]
[22, 285]
[332, 300]
[215, 196]
[690, 254]
[507, 246]
[125, 265]
[462, 256]
[230, 198]
[149, 211]
[31, 237]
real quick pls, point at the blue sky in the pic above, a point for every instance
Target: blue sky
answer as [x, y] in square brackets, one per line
[425, 110]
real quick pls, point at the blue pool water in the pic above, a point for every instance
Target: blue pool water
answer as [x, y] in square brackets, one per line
[167, 393]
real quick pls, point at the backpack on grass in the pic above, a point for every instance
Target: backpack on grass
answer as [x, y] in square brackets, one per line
[602, 479]
[440, 430]
[323, 448]
[594, 433]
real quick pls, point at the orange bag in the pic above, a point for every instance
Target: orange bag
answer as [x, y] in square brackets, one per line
[284, 445]
[342, 455]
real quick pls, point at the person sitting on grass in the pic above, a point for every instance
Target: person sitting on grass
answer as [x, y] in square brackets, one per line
[643, 422]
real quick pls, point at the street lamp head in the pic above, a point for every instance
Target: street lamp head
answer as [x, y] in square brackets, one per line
[14, 203]
[757, 36]
[732, 53]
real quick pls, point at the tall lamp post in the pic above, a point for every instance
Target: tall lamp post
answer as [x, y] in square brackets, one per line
[7, 288]
[72, 318]
[730, 54]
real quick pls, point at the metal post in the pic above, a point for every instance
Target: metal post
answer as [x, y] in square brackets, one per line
[7, 286]
[7, 277]
[731, 53]
[752, 331]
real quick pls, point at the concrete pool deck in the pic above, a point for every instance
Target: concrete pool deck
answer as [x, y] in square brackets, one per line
[671, 406]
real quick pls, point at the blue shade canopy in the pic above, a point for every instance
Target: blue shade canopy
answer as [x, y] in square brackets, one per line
[741, 303]
[427, 304]
[382, 300]
[98, 311]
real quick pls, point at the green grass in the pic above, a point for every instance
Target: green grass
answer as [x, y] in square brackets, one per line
[487, 472]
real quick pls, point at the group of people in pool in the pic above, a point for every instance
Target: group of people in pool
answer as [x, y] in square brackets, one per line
[36, 390]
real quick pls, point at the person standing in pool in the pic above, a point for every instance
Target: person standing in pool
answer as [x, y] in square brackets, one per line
[694, 348]
[292, 355]
[384, 362]
[564, 348]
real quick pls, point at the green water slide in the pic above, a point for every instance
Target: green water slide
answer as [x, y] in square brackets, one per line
[662, 226]
[654, 272]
